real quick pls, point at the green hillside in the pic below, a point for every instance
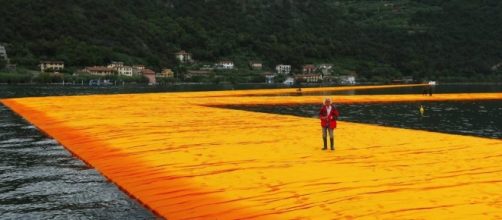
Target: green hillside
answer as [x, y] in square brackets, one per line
[423, 38]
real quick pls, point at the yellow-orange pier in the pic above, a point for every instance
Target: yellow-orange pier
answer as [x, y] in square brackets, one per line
[184, 156]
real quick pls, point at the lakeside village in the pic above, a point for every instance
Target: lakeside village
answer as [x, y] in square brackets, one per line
[188, 71]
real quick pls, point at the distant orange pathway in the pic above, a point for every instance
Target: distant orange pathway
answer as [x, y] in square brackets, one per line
[185, 159]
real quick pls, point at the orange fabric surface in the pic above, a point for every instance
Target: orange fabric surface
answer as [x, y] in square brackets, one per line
[183, 159]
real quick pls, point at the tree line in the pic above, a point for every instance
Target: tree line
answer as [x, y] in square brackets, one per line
[421, 38]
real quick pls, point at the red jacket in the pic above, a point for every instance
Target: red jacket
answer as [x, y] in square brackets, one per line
[331, 118]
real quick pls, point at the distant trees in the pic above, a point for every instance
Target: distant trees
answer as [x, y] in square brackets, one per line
[416, 37]
[3, 63]
[180, 72]
[279, 78]
[13, 77]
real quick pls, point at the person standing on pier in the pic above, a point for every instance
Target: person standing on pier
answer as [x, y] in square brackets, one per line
[328, 115]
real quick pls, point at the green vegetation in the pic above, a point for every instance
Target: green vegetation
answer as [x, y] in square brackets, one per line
[86, 78]
[22, 76]
[432, 39]
[3, 63]
[14, 77]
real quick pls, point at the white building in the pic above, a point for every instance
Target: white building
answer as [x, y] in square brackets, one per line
[283, 69]
[289, 81]
[115, 65]
[225, 64]
[184, 57]
[99, 70]
[310, 78]
[136, 69]
[121, 69]
[347, 80]
[325, 68]
[3, 53]
[51, 66]
[125, 70]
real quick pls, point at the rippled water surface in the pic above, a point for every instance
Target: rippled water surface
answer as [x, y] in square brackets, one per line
[482, 119]
[39, 179]
[442, 88]
[12, 91]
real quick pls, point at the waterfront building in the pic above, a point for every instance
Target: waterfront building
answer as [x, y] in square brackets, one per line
[166, 73]
[347, 79]
[125, 70]
[309, 69]
[136, 69]
[310, 78]
[46, 66]
[289, 81]
[99, 71]
[283, 69]
[150, 75]
[225, 64]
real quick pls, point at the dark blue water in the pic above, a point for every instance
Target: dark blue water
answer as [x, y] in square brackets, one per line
[39, 179]
[442, 88]
[480, 118]
[13, 91]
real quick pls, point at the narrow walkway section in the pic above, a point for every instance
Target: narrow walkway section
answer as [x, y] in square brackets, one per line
[185, 159]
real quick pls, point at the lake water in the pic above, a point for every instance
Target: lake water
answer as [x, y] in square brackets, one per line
[39, 179]
[477, 118]
[483, 119]
[12, 91]
[442, 88]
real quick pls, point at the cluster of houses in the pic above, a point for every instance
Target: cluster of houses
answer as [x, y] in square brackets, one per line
[118, 68]
[114, 68]
[309, 73]
[186, 58]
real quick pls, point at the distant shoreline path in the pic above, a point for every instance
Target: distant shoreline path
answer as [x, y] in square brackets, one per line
[186, 156]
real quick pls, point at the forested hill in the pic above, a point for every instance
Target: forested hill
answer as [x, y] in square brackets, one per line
[372, 37]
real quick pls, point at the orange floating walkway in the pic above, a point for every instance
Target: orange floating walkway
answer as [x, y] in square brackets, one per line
[184, 159]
